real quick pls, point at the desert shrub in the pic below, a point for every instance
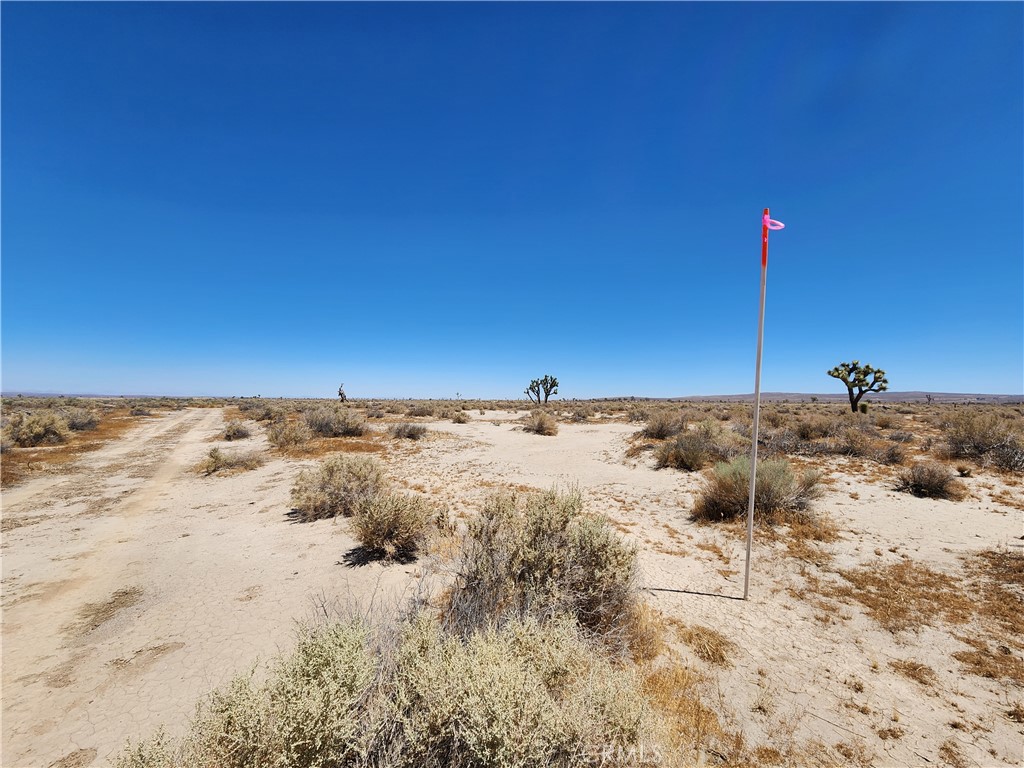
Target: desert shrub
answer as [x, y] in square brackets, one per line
[80, 419]
[329, 421]
[542, 556]
[541, 423]
[901, 436]
[460, 417]
[1009, 454]
[289, 434]
[974, 434]
[407, 696]
[813, 428]
[375, 413]
[931, 480]
[773, 417]
[638, 414]
[420, 409]
[139, 410]
[6, 443]
[894, 453]
[408, 431]
[393, 525]
[581, 414]
[663, 424]
[694, 449]
[41, 428]
[884, 420]
[778, 494]
[236, 430]
[854, 442]
[218, 460]
[337, 486]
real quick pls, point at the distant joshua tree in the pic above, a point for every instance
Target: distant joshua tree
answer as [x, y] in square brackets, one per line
[545, 388]
[855, 377]
[341, 392]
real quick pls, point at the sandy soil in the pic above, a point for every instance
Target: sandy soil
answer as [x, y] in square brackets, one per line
[132, 586]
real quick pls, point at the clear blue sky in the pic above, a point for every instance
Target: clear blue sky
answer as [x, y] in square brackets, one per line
[424, 199]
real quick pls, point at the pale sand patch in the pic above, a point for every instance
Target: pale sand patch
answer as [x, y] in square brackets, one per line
[222, 574]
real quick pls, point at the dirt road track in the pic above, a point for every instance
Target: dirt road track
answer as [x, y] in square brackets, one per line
[132, 586]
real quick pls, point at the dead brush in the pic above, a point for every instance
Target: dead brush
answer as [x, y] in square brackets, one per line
[392, 525]
[905, 595]
[337, 486]
[540, 423]
[289, 435]
[663, 424]
[236, 430]
[540, 555]
[708, 644]
[694, 449]
[916, 671]
[327, 421]
[40, 428]
[932, 480]
[219, 461]
[407, 431]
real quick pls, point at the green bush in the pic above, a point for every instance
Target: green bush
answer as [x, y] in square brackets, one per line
[337, 486]
[393, 525]
[542, 556]
[41, 428]
[778, 494]
[329, 421]
[932, 480]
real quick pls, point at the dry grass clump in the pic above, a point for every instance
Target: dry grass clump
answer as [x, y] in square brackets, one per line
[289, 434]
[540, 423]
[408, 431]
[694, 449]
[217, 461]
[779, 496]
[337, 486]
[329, 421]
[392, 525]
[932, 480]
[80, 419]
[950, 753]
[996, 663]
[542, 556]
[906, 595]
[409, 695]
[663, 424]
[40, 428]
[708, 644]
[916, 671]
[236, 430]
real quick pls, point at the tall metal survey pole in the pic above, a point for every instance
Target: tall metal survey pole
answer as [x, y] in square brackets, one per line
[766, 224]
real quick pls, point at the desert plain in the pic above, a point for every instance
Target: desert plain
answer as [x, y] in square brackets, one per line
[135, 582]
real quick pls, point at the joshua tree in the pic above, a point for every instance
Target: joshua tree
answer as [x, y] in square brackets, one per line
[545, 388]
[341, 393]
[855, 377]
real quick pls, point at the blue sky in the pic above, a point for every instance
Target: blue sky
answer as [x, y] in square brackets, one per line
[425, 199]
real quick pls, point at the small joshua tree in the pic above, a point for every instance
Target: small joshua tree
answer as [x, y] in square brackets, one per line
[859, 380]
[545, 388]
[341, 393]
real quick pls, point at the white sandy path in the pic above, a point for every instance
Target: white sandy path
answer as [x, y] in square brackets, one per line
[223, 574]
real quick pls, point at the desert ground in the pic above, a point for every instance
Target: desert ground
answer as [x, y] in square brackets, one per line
[133, 583]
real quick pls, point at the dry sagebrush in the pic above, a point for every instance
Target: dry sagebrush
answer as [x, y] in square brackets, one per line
[779, 495]
[411, 696]
[337, 486]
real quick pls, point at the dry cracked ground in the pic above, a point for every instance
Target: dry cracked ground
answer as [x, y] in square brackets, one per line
[133, 585]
